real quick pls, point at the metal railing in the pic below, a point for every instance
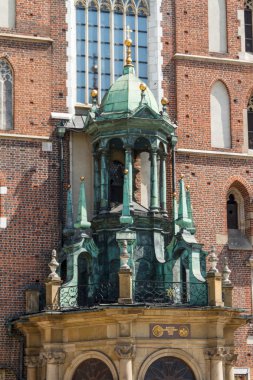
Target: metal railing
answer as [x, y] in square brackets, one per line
[144, 292]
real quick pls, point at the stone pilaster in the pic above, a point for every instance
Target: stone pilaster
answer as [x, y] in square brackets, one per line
[32, 362]
[126, 352]
[154, 206]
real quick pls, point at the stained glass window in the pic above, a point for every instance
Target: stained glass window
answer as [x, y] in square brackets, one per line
[6, 95]
[101, 30]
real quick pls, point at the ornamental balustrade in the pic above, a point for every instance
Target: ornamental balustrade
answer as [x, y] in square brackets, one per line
[144, 292]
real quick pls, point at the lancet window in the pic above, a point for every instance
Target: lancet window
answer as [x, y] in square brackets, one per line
[101, 28]
[6, 95]
[250, 122]
[248, 23]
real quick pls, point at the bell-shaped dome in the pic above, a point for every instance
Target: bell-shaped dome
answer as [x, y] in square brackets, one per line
[124, 96]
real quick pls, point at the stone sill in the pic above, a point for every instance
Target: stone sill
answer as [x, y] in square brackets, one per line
[24, 37]
[206, 58]
[215, 153]
[15, 136]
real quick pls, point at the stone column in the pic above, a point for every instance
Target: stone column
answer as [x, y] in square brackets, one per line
[125, 352]
[32, 362]
[104, 182]
[163, 195]
[129, 167]
[53, 361]
[215, 355]
[154, 206]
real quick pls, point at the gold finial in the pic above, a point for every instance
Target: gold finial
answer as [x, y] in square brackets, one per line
[82, 179]
[174, 195]
[181, 176]
[164, 101]
[68, 186]
[187, 187]
[94, 93]
[128, 43]
[142, 87]
[126, 171]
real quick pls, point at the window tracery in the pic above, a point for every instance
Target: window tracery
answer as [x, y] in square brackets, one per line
[6, 95]
[248, 4]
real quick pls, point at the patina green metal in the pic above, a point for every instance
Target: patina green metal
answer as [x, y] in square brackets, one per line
[126, 218]
[69, 222]
[160, 250]
[82, 221]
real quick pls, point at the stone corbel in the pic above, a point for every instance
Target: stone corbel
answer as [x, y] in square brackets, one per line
[125, 350]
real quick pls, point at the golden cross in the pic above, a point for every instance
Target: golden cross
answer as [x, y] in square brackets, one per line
[128, 31]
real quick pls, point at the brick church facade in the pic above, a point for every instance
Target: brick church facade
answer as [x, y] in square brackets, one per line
[202, 63]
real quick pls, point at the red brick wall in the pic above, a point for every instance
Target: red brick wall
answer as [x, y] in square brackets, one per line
[187, 84]
[31, 175]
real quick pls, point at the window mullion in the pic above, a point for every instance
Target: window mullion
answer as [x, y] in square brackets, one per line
[112, 77]
[136, 45]
[99, 55]
[87, 55]
[124, 34]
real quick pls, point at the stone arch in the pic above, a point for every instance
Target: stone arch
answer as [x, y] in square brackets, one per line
[175, 353]
[220, 115]
[70, 371]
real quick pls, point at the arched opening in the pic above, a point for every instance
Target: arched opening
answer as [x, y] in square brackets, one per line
[116, 172]
[169, 368]
[83, 279]
[142, 171]
[92, 369]
[232, 212]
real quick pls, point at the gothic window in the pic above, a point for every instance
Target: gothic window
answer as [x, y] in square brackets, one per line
[220, 116]
[217, 26]
[235, 210]
[248, 6]
[169, 368]
[101, 30]
[250, 123]
[7, 13]
[93, 369]
[6, 95]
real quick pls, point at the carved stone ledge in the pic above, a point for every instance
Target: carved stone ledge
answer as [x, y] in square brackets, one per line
[125, 350]
[53, 357]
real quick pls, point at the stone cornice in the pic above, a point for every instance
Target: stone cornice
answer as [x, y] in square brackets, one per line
[208, 58]
[25, 38]
[214, 153]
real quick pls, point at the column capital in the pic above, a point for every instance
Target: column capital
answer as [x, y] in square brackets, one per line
[225, 354]
[125, 350]
[53, 357]
[32, 361]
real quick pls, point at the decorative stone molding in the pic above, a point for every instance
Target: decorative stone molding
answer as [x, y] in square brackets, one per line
[125, 350]
[53, 357]
[32, 361]
[213, 260]
[226, 273]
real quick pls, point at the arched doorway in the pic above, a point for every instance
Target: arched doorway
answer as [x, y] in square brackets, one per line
[92, 369]
[169, 368]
